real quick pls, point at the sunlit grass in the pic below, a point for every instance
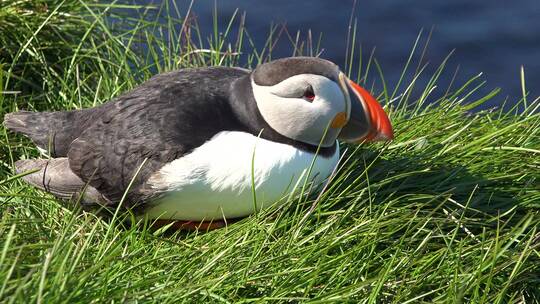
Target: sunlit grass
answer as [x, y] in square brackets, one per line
[447, 212]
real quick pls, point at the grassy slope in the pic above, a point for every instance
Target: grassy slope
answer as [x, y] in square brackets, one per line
[448, 211]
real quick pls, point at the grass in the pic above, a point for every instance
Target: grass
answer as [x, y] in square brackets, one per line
[447, 212]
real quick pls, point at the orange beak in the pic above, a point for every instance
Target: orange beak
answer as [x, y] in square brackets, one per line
[367, 121]
[380, 126]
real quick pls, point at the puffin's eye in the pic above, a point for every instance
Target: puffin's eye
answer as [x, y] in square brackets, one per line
[309, 95]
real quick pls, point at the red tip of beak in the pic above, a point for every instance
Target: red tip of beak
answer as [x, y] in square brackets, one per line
[381, 129]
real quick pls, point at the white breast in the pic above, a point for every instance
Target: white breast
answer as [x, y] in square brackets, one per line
[215, 180]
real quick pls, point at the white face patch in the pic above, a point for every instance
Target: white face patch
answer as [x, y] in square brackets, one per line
[286, 111]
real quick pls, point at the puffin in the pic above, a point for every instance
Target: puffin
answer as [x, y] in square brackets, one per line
[196, 147]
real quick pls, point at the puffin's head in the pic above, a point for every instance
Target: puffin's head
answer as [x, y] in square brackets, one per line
[310, 100]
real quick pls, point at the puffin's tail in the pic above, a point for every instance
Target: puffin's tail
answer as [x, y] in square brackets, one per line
[24, 122]
[50, 131]
[55, 176]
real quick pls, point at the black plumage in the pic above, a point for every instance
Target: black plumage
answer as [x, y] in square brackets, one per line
[276, 71]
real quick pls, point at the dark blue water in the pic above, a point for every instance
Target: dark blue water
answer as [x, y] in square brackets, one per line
[493, 37]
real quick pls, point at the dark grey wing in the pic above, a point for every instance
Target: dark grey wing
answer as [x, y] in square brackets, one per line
[54, 176]
[160, 121]
[109, 153]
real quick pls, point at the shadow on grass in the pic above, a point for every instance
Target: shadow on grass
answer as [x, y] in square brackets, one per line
[420, 181]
